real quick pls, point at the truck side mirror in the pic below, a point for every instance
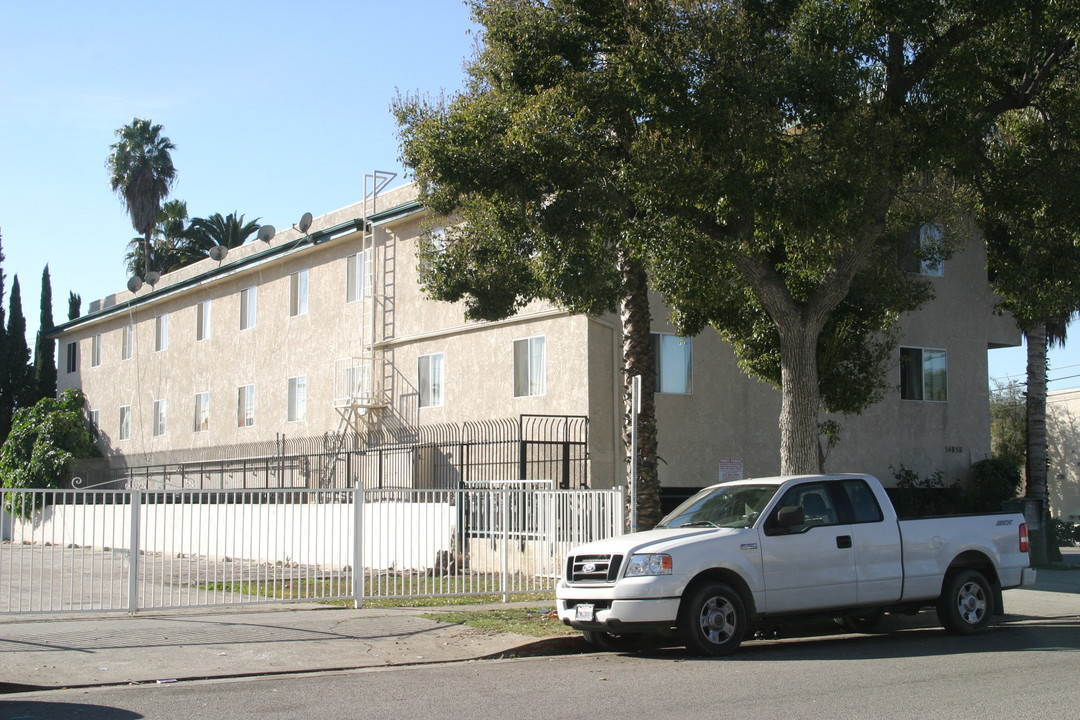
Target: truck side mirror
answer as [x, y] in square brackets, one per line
[790, 515]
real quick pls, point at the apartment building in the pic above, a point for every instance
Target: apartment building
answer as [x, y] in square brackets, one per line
[328, 329]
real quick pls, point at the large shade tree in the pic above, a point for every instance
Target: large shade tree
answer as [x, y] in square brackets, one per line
[761, 162]
[141, 172]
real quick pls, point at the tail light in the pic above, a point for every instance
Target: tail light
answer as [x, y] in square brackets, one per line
[1023, 537]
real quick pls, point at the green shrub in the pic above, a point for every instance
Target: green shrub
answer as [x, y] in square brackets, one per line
[990, 483]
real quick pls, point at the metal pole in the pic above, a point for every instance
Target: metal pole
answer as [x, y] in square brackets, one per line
[358, 545]
[635, 409]
[133, 552]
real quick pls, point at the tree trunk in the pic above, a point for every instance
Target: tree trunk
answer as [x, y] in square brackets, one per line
[638, 360]
[1035, 466]
[801, 401]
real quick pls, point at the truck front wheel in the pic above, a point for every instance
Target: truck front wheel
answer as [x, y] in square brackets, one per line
[713, 619]
[967, 604]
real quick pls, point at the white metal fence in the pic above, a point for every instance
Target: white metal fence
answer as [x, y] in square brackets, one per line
[130, 550]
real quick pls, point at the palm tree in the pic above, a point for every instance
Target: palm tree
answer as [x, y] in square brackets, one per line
[169, 238]
[205, 233]
[141, 172]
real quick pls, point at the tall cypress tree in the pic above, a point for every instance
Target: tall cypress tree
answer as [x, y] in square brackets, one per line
[20, 372]
[74, 305]
[45, 347]
[7, 404]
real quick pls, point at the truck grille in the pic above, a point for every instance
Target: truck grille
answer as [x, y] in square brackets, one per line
[593, 568]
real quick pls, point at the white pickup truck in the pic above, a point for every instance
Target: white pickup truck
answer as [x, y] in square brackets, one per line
[749, 552]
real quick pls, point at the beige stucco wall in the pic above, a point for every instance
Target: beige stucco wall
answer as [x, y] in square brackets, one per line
[1063, 436]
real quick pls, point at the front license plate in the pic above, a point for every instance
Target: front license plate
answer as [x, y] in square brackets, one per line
[585, 612]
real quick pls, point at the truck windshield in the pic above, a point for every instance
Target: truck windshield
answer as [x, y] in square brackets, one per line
[726, 506]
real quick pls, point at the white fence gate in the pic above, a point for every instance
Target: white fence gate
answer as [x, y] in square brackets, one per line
[130, 550]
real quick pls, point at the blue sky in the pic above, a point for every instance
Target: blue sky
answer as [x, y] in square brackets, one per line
[276, 109]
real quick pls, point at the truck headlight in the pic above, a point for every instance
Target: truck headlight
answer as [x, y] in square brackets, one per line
[641, 565]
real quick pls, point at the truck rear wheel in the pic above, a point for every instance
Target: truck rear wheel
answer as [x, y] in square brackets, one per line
[713, 619]
[966, 604]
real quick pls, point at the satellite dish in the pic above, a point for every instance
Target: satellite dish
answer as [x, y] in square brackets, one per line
[266, 233]
[152, 278]
[218, 253]
[134, 283]
[305, 222]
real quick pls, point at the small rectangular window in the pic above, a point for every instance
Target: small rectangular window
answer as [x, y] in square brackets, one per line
[202, 412]
[430, 380]
[245, 406]
[298, 293]
[95, 420]
[159, 418]
[358, 276]
[127, 342]
[161, 333]
[125, 422]
[95, 350]
[247, 308]
[923, 374]
[673, 357]
[72, 363]
[922, 249]
[529, 374]
[202, 320]
[297, 398]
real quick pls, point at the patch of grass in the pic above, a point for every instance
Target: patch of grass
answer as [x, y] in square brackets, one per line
[535, 622]
[420, 592]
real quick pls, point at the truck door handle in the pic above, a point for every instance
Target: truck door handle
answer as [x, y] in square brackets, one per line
[843, 541]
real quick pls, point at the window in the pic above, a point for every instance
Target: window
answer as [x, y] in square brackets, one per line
[430, 376]
[921, 252]
[817, 505]
[923, 374]
[161, 332]
[125, 422]
[95, 350]
[247, 308]
[72, 357]
[202, 412]
[127, 342]
[245, 406]
[529, 367]
[298, 285]
[95, 420]
[297, 398]
[358, 276]
[864, 506]
[159, 418]
[202, 320]
[673, 357]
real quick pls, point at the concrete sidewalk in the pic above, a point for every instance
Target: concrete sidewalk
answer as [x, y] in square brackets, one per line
[43, 651]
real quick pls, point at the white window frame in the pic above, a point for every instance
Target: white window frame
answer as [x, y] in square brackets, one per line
[297, 399]
[202, 320]
[249, 298]
[127, 342]
[125, 423]
[95, 350]
[159, 417]
[72, 356]
[922, 376]
[245, 406]
[530, 366]
[430, 373]
[202, 412]
[95, 419]
[664, 345]
[161, 333]
[298, 293]
[358, 277]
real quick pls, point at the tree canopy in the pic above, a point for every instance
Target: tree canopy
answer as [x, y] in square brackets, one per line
[763, 162]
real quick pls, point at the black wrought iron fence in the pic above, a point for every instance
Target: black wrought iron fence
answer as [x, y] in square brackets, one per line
[551, 448]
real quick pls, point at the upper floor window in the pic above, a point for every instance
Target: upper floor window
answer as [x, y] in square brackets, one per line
[673, 356]
[430, 380]
[125, 422]
[159, 418]
[923, 374]
[202, 412]
[297, 398]
[95, 350]
[161, 332]
[202, 320]
[247, 308]
[529, 375]
[298, 293]
[358, 276]
[72, 361]
[127, 342]
[921, 252]
[245, 406]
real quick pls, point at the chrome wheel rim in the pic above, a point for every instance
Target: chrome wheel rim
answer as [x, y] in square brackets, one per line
[971, 603]
[717, 620]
